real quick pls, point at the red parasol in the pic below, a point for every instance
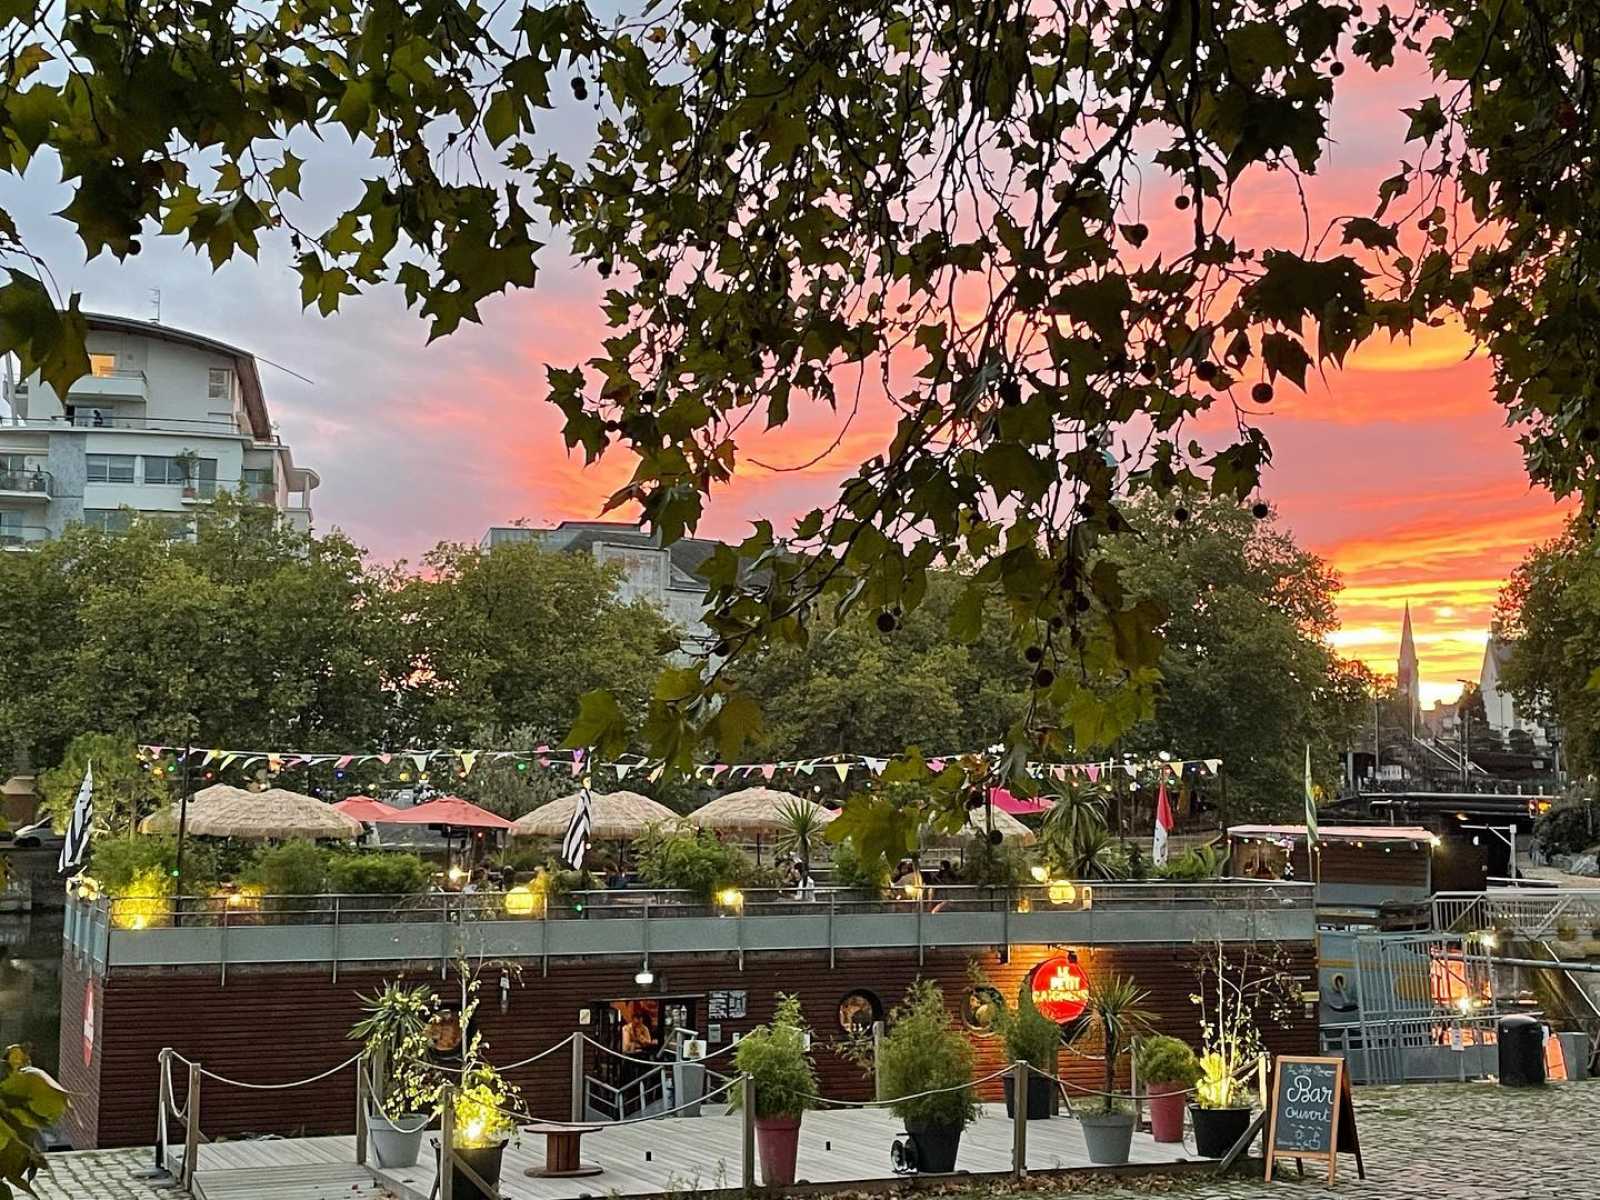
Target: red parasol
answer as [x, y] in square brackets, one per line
[1016, 805]
[366, 809]
[451, 812]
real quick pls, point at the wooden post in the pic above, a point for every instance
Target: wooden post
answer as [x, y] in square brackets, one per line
[1019, 1119]
[191, 1130]
[747, 1151]
[1133, 1083]
[579, 1107]
[361, 1111]
[877, 1053]
[447, 1133]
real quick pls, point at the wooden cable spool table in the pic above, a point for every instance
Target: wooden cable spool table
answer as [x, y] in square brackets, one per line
[562, 1152]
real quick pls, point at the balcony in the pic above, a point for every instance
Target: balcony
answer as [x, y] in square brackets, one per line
[20, 537]
[100, 419]
[199, 491]
[111, 385]
[29, 484]
[338, 930]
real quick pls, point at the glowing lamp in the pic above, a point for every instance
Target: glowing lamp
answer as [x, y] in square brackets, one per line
[645, 977]
[1040, 873]
[731, 898]
[1062, 892]
[521, 902]
[455, 874]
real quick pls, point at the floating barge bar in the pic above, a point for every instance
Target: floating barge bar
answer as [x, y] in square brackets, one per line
[268, 995]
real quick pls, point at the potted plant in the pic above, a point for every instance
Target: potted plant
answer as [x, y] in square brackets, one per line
[393, 1032]
[774, 1057]
[1115, 1011]
[482, 1126]
[1031, 1037]
[1168, 1069]
[1234, 986]
[188, 464]
[925, 1071]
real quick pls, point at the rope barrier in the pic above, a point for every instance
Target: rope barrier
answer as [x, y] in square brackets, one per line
[653, 1062]
[961, 1087]
[280, 1087]
[1062, 1081]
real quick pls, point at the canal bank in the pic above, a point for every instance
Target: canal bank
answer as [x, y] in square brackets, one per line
[31, 910]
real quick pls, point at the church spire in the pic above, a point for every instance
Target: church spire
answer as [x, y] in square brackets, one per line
[1408, 673]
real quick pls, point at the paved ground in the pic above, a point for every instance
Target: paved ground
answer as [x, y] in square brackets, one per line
[1449, 1142]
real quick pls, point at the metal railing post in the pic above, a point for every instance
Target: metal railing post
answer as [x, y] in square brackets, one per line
[447, 1133]
[361, 1111]
[191, 1130]
[747, 1143]
[163, 1060]
[579, 1108]
[336, 939]
[1019, 1119]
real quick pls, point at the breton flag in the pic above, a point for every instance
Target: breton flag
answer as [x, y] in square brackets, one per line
[75, 848]
[576, 843]
[1311, 806]
[1164, 824]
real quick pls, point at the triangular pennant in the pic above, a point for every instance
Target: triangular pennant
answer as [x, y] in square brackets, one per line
[210, 757]
[622, 771]
[936, 765]
[421, 760]
[656, 774]
[227, 761]
[468, 759]
[384, 758]
[843, 769]
[806, 768]
[768, 770]
[718, 770]
[343, 761]
[1213, 765]
[1092, 770]
[274, 763]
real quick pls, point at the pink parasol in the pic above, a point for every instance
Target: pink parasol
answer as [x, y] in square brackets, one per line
[1017, 806]
[451, 812]
[366, 809]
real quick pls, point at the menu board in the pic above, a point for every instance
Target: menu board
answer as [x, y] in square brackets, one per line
[1311, 1115]
[726, 1006]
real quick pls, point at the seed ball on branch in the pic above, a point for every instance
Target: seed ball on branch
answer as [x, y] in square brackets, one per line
[1262, 393]
[886, 622]
[1259, 510]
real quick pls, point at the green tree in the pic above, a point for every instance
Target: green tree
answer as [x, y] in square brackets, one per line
[510, 638]
[124, 790]
[1246, 671]
[1549, 612]
[785, 196]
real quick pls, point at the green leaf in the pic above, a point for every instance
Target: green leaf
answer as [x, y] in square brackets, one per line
[1284, 355]
[600, 725]
[738, 721]
[1427, 119]
[500, 121]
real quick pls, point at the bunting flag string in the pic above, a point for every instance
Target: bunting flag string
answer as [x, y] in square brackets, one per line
[460, 763]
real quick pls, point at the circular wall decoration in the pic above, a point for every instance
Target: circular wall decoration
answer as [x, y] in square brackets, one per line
[979, 1008]
[858, 1010]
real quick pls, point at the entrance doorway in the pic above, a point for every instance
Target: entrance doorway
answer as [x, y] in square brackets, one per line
[629, 1072]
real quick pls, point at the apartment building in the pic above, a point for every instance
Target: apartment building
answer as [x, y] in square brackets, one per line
[164, 421]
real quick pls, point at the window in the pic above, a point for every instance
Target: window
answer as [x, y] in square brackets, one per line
[219, 384]
[858, 1010]
[102, 366]
[112, 520]
[200, 473]
[109, 468]
[257, 484]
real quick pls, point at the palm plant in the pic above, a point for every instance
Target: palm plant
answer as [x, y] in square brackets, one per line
[800, 828]
[1075, 839]
[1116, 1011]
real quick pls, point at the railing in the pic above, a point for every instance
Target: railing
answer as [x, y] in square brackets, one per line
[332, 930]
[32, 480]
[105, 420]
[13, 536]
[1519, 912]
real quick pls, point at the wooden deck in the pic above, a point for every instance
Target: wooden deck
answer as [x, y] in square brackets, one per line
[837, 1146]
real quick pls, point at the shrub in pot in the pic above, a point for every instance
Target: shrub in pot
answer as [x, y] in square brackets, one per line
[785, 1080]
[1116, 1014]
[393, 1032]
[1031, 1037]
[482, 1127]
[1168, 1069]
[924, 1052]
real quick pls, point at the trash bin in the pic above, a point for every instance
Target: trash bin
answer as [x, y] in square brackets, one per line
[1575, 1053]
[1521, 1052]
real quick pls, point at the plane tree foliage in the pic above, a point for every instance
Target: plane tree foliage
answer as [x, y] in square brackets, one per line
[945, 207]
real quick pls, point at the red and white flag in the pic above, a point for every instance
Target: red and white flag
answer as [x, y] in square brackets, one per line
[1164, 824]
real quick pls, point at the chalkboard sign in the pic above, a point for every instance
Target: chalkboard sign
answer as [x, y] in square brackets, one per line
[726, 1006]
[1311, 1115]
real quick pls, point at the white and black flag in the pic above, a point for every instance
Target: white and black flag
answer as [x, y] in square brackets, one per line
[575, 846]
[75, 849]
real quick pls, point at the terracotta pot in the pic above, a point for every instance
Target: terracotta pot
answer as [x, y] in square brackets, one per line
[1166, 1110]
[778, 1141]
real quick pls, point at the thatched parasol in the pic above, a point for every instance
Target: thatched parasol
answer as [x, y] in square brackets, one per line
[275, 814]
[756, 810]
[1011, 830]
[615, 817]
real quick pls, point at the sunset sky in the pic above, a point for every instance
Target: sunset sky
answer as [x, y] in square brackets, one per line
[1398, 468]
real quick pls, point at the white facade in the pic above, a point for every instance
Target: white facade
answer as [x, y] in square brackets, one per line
[1498, 706]
[165, 421]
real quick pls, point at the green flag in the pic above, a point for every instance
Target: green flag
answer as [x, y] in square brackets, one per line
[1311, 805]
